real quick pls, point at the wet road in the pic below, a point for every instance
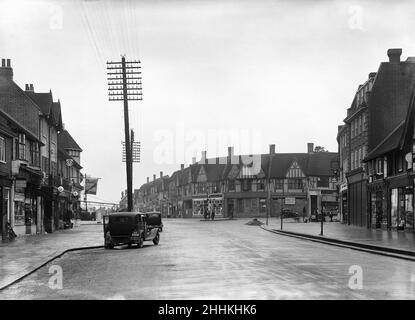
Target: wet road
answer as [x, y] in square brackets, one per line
[221, 260]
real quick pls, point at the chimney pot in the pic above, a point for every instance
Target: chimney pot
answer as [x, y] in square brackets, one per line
[161, 174]
[148, 179]
[272, 149]
[230, 151]
[154, 177]
[394, 55]
[310, 147]
[182, 166]
[372, 75]
[27, 87]
[203, 160]
[6, 71]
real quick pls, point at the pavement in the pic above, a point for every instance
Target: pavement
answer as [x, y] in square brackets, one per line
[27, 253]
[222, 260]
[382, 240]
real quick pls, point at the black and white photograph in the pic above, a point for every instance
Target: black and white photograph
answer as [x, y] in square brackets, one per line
[207, 155]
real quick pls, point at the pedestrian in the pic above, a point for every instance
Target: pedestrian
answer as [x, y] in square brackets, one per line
[213, 213]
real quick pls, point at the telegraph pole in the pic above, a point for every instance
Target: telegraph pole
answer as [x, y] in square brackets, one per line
[124, 84]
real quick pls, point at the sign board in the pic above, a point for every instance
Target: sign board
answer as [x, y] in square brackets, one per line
[21, 184]
[15, 167]
[289, 200]
[20, 197]
[91, 185]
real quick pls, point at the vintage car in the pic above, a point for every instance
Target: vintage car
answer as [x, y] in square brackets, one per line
[131, 228]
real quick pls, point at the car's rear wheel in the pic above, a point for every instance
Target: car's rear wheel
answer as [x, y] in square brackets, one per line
[156, 239]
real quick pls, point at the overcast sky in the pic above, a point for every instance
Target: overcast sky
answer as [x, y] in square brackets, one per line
[215, 73]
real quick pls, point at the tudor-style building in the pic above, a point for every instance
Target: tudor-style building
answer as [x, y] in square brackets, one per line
[69, 177]
[247, 186]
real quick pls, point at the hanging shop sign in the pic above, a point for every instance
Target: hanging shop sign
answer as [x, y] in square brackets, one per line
[21, 184]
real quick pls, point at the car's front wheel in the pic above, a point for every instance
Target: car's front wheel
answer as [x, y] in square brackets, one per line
[140, 243]
[156, 239]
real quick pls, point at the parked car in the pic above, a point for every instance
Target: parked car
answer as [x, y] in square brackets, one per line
[131, 228]
[288, 213]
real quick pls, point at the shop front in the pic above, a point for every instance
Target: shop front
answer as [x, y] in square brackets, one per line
[5, 217]
[401, 203]
[26, 211]
[391, 204]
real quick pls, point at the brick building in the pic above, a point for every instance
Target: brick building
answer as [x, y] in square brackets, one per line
[380, 106]
[391, 145]
[31, 124]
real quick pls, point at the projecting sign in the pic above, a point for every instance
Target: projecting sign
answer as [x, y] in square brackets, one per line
[20, 184]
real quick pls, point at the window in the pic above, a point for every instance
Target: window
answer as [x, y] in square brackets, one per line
[34, 153]
[260, 185]
[352, 129]
[21, 147]
[246, 185]
[231, 184]
[279, 184]
[295, 184]
[2, 149]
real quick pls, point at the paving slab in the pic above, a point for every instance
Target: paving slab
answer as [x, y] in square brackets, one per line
[402, 240]
[27, 253]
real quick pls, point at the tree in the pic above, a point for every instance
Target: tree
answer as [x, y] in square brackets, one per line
[320, 149]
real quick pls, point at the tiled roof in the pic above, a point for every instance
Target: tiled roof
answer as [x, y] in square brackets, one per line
[43, 100]
[56, 114]
[391, 142]
[390, 99]
[66, 141]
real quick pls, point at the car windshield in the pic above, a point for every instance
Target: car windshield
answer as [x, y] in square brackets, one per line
[121, 219]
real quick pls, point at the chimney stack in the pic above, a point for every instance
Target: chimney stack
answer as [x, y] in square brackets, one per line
[154, 177]
[272, 149]
[182, 166]
[6, 70]
[148, 179]
[394, 55]
[310, 147]
[161, 174]
[372, 75]
[203, 160]
[230, 151]
[29, 87]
